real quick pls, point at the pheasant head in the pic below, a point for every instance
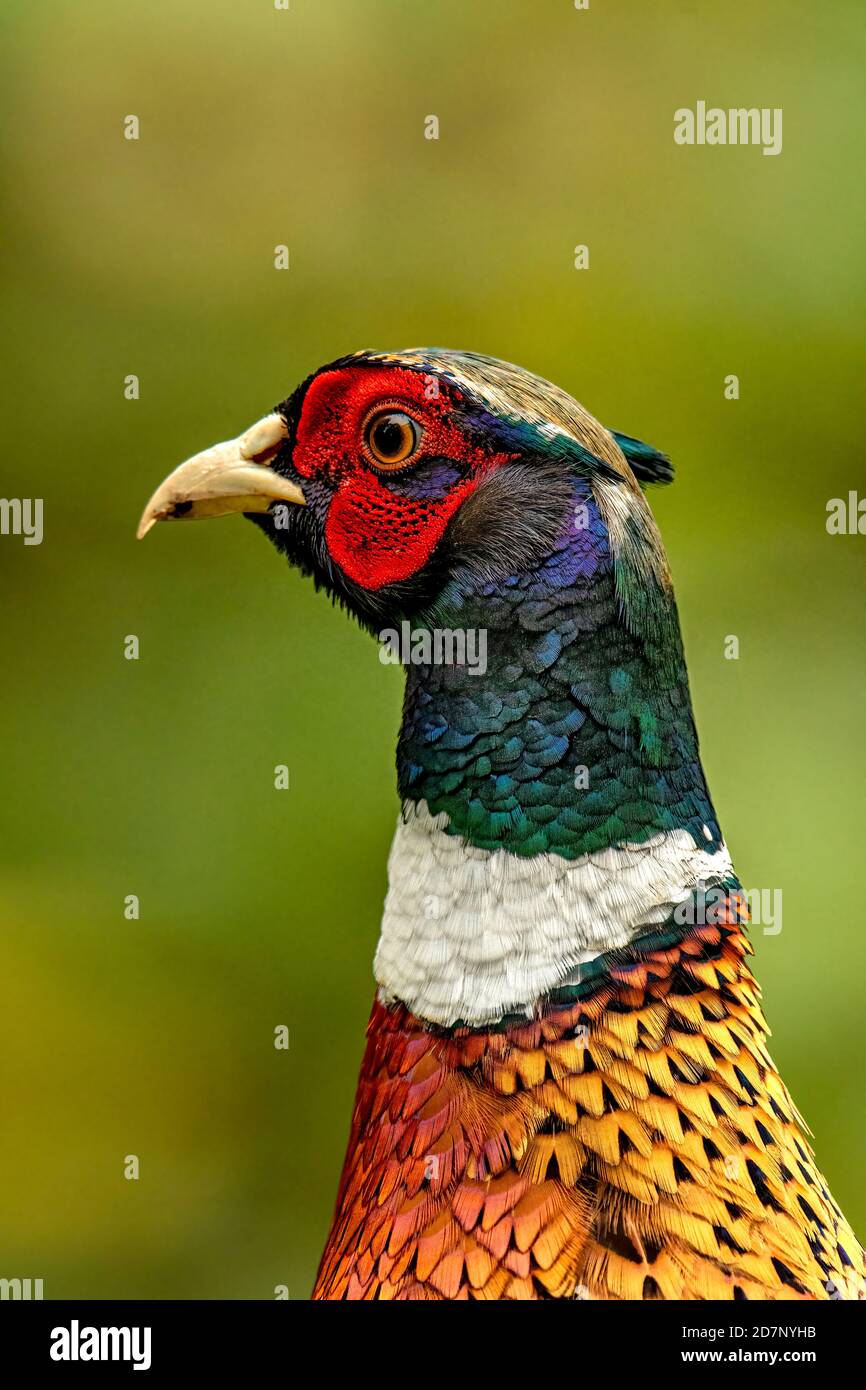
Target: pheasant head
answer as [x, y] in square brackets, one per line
[562, 948]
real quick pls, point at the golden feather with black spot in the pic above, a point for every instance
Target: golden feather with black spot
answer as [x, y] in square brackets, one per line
[637, 1144]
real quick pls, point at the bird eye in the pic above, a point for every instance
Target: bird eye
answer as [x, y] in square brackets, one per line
[391, 437]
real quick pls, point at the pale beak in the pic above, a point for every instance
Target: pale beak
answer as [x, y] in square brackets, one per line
[229, 477]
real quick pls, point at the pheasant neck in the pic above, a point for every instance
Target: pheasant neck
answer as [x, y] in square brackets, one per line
[555, 807]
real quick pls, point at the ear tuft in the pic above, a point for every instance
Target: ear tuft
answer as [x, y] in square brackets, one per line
[647, 463]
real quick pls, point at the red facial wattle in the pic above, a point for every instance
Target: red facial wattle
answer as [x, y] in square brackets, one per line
[378, 534]
[378, 538]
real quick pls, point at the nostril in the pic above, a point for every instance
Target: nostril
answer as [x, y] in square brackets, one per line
[269, 452]
[262, 440]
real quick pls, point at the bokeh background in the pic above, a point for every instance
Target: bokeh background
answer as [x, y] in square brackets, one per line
[155, 777]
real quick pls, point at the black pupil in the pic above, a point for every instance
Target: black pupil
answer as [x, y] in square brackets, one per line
[389, 436]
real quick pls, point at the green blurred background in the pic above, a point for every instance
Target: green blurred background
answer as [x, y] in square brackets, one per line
[155, 777]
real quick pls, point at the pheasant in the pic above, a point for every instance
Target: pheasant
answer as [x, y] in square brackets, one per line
[566, 1091]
